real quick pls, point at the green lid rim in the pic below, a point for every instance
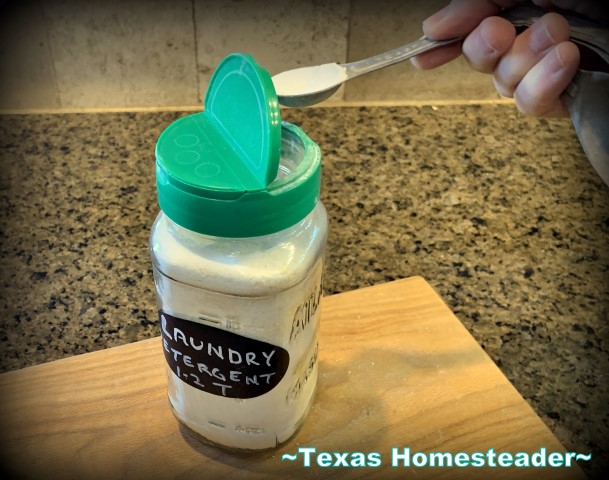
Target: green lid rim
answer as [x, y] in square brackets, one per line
[284, 203]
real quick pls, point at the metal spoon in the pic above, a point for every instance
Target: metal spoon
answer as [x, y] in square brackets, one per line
[307, 86]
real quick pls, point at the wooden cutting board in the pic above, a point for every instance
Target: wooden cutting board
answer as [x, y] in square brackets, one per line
[397, 370]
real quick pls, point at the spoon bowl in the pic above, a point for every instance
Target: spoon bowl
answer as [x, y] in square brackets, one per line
[307, 86]
[307, 99]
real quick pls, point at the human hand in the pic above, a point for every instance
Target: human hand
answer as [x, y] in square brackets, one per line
[534, 67]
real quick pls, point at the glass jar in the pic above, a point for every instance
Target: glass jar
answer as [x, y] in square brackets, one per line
[238, 275]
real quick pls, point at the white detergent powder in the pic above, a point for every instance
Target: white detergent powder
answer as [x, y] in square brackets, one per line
[307, 80]
[265, 288]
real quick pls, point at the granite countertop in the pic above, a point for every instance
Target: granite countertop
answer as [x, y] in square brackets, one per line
[500, 213]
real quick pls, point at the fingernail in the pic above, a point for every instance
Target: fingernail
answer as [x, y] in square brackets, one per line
[553, 62]
[485, 44]
[541, 38]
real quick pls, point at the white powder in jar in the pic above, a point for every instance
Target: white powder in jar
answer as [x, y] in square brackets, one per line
[236, 266]
[264, 288]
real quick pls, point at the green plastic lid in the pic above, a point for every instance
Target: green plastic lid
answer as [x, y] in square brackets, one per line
[217, 171]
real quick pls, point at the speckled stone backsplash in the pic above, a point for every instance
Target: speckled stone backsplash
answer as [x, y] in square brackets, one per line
[502, 214]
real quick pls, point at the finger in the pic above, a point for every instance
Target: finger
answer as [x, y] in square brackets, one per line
[456, 19]
[528, 49]
[487, 43]
[539, 91]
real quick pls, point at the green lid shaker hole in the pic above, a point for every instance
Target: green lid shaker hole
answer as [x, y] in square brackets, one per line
[207, 170]
[292, 154]
[186, 140]
[187, 157]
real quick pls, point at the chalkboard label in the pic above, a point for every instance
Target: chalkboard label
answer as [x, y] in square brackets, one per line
[219, 362]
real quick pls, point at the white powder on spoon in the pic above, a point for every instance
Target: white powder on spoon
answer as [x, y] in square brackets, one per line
[308, 80]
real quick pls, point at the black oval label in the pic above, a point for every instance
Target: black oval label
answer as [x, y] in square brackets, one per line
[219, 362]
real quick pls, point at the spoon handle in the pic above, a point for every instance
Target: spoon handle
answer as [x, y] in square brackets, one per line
[396, 55]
